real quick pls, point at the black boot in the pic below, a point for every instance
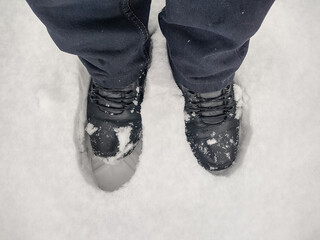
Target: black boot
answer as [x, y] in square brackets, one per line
[114, 120]
[212, 127]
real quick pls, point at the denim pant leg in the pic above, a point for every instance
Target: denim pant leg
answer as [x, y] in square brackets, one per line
[207, 40]
[110, 37]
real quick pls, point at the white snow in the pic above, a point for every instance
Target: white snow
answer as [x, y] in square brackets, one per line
[238, 96]
[123, 134]
[125, 145]
[211, 141]
[272, 192]
[186, 117]
[91, 129]
[114, 160]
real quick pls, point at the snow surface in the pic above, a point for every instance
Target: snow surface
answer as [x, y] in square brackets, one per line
[271, 193]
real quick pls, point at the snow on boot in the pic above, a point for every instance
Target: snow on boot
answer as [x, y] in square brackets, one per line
[212, 128]
[114, 120]
[115, 129]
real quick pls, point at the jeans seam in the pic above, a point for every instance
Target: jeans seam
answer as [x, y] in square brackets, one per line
[132, 17]
[145, 33]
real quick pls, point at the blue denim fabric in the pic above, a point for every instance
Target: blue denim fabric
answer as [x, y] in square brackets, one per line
[107, 35]
[207, 40]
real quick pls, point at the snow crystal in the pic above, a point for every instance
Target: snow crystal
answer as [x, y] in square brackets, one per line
[123, 134]
[211, 141]
[203, 149]
[186, 117]
[212, 168]
[91, 129]
[238, 98]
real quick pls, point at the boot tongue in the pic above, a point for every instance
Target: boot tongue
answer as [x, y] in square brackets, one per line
[110, 94]
[212, 113]
[117, 93]
[115, 98]
[211, 103]
[108, 103]
[213, 120]
[211, 94]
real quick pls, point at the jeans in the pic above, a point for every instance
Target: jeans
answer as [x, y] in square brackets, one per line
[207, 40]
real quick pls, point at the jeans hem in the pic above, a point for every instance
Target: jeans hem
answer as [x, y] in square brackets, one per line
[120, 81]
[205, 87]
[211, 85]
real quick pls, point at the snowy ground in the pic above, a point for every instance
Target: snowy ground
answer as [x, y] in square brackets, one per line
[272, 193]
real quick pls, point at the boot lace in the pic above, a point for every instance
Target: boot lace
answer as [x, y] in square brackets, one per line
[113, 101]
[212, 110]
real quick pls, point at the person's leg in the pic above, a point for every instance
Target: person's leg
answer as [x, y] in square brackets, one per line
[208, 39]
[110, 37]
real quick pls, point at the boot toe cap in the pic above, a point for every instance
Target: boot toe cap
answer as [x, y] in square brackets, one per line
[216, 153]
[109, 141]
